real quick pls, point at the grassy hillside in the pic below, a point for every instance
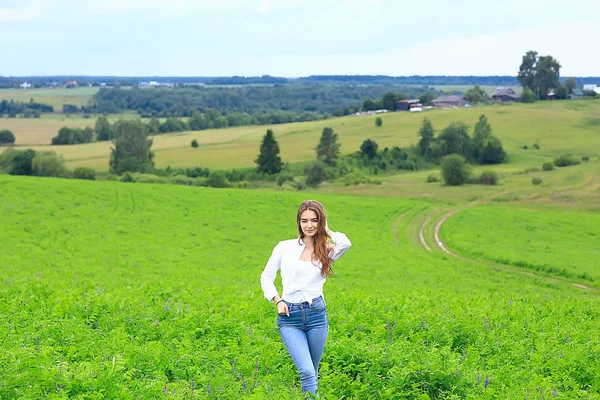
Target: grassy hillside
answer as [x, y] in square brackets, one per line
[562, 126]
[115, 290]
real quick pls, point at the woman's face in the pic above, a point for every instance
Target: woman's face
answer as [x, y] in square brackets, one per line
[309, 222]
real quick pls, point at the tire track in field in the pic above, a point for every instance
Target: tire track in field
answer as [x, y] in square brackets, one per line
[442, 246]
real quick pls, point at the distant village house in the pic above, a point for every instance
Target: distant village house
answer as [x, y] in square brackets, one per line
[505, 95]
[406, 105]
[449, 101]
[25, 85]
[576, 94]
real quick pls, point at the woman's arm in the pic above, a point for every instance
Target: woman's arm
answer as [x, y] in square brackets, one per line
[341, 244]
[267, 278]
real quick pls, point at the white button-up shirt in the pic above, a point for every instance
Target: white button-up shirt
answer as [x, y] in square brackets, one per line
[302, 280]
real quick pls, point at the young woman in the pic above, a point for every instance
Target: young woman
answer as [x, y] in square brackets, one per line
[305, 263]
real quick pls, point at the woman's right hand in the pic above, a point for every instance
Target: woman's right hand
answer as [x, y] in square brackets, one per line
[282, 309]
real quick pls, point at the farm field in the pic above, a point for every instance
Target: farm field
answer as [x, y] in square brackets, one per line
[560, 127]
[116, 290]
[56, 97]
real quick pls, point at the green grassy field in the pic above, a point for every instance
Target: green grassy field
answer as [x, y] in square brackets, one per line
[116, 290]
[55, 97]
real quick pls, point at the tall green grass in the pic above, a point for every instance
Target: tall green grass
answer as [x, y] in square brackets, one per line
[115, 290]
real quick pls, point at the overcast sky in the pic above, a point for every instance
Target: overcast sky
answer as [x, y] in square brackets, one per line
[294, 37]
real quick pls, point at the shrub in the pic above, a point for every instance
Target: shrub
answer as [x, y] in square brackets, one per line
[84, 173]
[486, 178]
[315, 173]
[566, 161]
[378, 122]
[431, 178]
[536, 145]
[195, 144]
[548, 166]
[217, 179]
[585, 158]
[407, 165]
[22, 163]
[147, 178]
[455, 170]
[181, 180]
[357, 177]
[536, 181]
[284, 177]
[525, 147]
[6, 137]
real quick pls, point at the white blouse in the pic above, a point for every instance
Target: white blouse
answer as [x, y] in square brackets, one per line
[302, 280]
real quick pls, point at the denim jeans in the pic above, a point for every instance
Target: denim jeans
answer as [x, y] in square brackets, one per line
[304, 334]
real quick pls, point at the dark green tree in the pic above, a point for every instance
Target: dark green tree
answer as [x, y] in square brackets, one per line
[426, 98]
[570, 84]
[427, 134]
[268, 160]
[378, 122]
[539, 74]
[22, 163]
[195, 144]
[103, 129]
[6, 137]
[526, 76]
[132, 151]
[315, 173]
[455, 139]
[369, 105]
[328, 148]
[455, 170]
[546, 75]
[389, 101]
[476, 95]
[369, 148]
[487, 148]
[528, 96]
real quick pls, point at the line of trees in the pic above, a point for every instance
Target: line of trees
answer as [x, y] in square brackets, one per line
[32, 109]
[482, 148]
[253, 100]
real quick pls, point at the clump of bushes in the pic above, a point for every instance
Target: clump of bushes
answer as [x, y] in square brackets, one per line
[432, 178]
[455, 170]
[6, 137]
[548, 166]
[485, 178]
[195, 144]
[585, 158]
[566, 161]
[84, 173]
[294, 184]
[536, 181]
[357, 177]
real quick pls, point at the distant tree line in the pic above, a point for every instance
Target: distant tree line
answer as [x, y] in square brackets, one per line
[42, 81]
[253, 100]
[11, 109]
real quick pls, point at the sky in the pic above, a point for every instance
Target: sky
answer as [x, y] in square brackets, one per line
[293, 38]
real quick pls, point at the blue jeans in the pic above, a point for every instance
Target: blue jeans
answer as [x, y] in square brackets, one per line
[304, 334]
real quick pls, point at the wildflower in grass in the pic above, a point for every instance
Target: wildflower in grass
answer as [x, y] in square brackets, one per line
[487, 382]
[156, 322]
[487, 322]
[244, 385]
[478, 378]
[554, 393]
[193, 384]
[208, 388]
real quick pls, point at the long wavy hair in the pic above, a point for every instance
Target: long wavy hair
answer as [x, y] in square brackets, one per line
[321, 244]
